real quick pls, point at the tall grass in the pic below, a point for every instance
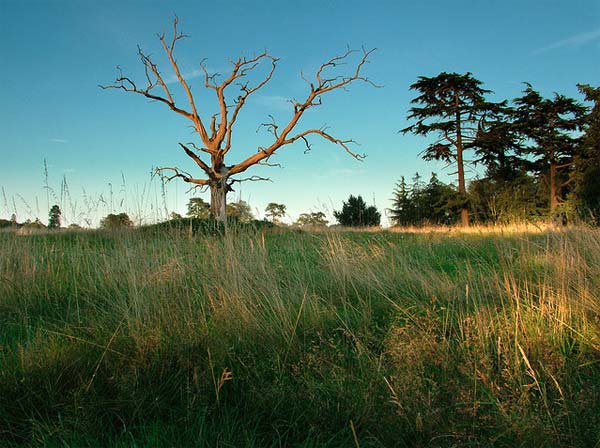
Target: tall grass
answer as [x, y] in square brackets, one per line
[300, 339]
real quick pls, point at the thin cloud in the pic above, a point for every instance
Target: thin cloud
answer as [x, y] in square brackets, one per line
[572, 42]
[196, 73]
[59, 140]
[273, 102]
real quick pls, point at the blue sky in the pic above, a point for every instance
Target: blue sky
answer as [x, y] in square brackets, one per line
[105, 143]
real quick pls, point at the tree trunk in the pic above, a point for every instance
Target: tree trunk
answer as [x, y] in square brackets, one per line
[462, 189]
[218, 201]
[553, 187]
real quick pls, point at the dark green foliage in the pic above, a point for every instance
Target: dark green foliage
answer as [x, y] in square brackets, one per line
[549, 126]
[452, 107]
[432, 203]
[113, 221]
[209, 226]
[587, 160]
[520, 198]
[54, 217]
[356, 213]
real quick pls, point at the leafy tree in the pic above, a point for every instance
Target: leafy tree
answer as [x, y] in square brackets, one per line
[432, 203]
[495, 199]
[174, 216]
[240, 211]
[548, 126]
[215, 130]
[314, 219]
[54, 217]
[587, 161]
[356, 213]
[275, 211]
[402, 206]
[113, 221]
[439, 202]
[499, 145]
[452, 106]
[198, 208]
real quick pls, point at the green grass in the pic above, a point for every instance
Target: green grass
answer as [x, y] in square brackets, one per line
[281, 338]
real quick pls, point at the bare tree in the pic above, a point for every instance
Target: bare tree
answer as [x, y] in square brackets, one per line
[216, 138]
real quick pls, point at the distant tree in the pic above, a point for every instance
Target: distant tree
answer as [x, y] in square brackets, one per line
[37, 224]
[549, 126]
[174, 216]
[75, 227]
[5, 223]
[240, 211]
[587, 161]
[452, 106]
[356, 213]
[314, 219]
[13, 219]
[54, 217]
[401, 213]
[112, 221]
[198, 208]
[440, 202]
[432, 203]
[275, 211]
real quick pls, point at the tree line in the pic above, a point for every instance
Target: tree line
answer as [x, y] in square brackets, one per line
[541, 155]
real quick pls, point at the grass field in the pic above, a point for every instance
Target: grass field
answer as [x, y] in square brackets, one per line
[283, 338]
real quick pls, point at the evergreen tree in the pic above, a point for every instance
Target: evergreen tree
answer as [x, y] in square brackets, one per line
[440, 202]
[54, 217]
[452, 106]
[548, 125]
[402, 211]
[587, 161]
[356, 213]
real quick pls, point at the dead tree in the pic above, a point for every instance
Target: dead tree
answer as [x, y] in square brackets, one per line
[216, 138]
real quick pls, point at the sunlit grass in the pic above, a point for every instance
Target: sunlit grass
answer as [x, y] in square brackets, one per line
[282, 338]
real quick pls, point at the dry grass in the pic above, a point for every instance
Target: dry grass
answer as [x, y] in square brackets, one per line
[478, 337]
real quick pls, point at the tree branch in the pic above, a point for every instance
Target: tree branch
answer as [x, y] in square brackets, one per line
[126, 84]
[250, 179]
[169, 51]
[197, 159]
[313, 99]
[181, 174]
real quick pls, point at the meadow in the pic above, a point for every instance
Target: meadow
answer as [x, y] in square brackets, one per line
[277, 338]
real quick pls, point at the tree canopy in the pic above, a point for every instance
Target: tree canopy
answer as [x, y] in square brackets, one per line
[116, 221]
[356, 213]
[54, 217]
[451, 106]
